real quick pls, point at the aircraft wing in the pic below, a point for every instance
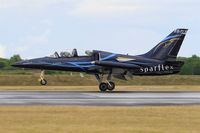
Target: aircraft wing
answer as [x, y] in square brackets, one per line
[111, 64]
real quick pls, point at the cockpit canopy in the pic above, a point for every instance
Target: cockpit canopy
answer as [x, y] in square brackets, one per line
[68, 54]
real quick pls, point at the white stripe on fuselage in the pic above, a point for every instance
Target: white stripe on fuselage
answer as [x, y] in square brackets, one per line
[124, 59]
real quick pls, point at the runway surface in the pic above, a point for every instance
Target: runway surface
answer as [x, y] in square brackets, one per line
[131, 98]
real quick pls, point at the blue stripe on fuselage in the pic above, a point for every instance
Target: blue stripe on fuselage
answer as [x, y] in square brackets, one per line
[108, 57]
[89, 64]
[76, 65]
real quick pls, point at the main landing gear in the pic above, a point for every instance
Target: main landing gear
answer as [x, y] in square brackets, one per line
[42, 80]
[107, 85]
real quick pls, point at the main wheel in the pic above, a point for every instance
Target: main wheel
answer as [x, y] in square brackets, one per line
[103, 87]
[43, 82]
[111, 86]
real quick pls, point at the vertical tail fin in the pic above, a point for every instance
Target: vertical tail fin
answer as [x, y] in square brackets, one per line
[168, 48]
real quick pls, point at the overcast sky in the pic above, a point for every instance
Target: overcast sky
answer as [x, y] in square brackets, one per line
[35, 28]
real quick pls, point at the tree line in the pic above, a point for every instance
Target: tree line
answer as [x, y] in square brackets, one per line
[5, 64]
[191, 66]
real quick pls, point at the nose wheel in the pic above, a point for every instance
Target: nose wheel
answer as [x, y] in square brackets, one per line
[42, 80]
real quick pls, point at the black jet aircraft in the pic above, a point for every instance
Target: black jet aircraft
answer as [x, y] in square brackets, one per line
[161, 60]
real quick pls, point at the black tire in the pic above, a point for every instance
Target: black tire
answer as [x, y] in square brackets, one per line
[111, 87]
[43, 82]
[103, 87]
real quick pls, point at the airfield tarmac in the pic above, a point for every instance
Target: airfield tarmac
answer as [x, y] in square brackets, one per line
[92, 98]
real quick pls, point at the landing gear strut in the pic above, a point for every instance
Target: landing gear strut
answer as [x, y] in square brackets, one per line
[104, 86]
[42, 80]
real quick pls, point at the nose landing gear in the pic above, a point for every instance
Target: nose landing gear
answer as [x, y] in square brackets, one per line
[42, 80]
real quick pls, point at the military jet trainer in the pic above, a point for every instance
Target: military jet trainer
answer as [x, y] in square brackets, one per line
[161, 60]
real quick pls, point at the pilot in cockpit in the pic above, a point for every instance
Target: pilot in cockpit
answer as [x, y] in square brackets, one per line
[67, 54]
[74, 53]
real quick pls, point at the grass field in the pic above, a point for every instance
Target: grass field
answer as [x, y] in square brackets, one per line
[95, 88]
[75, 119]
[89, 83]
[88, 80]
[63, 119]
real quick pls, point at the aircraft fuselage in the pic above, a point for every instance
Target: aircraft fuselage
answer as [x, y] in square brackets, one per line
[135, 64]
